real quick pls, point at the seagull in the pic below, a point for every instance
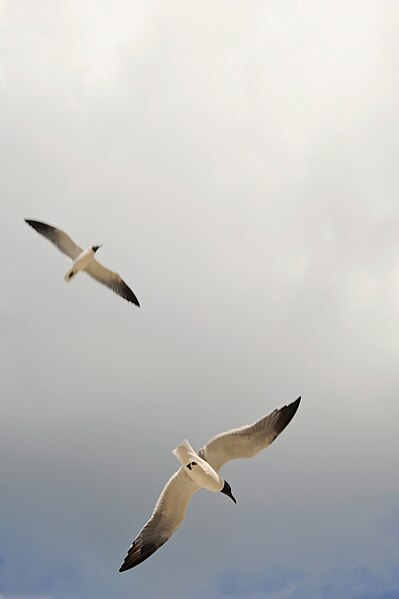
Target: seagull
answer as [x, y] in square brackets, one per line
[83, 260]
[202, 470]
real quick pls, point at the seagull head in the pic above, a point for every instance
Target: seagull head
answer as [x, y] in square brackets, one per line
[95, 247]
[227, 491]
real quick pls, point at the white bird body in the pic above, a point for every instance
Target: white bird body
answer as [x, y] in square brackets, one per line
[198, 469]
[83, 260]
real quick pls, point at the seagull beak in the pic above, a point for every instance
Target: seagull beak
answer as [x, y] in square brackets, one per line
[227, 491]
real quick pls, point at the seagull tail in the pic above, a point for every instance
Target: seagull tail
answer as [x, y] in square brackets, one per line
[70, 274]
[184, 452]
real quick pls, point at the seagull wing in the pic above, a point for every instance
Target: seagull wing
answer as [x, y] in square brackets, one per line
[247, 441]
[111, 280]
[167, 516]
[60, 239]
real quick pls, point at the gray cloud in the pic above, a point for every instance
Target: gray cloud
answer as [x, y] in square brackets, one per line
[239, 165]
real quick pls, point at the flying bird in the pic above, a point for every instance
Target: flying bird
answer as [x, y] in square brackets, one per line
[84, 260]
[202, 470]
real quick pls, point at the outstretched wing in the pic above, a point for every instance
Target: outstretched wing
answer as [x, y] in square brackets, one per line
[60, 239]
[247, 441]
[167, 516]
[111, 280]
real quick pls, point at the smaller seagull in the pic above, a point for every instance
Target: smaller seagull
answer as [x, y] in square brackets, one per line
[84, 260]
[201, 470]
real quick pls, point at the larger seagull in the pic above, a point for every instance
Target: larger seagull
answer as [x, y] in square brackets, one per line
[84, 260]
[201, 470]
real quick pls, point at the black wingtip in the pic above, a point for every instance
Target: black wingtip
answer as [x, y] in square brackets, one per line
[128, 294]
[127, 565]
[292, 407]
[286, 414]
[133, 299]
[38, 225]
[139, 552]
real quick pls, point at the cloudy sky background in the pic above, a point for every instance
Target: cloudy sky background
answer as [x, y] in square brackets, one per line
[239, 162]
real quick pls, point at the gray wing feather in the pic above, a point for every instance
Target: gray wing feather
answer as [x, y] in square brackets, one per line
[112, 280]
[59, 238]
[167, 516]
[249, 440]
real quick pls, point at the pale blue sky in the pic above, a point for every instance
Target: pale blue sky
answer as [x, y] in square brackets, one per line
[239, 162]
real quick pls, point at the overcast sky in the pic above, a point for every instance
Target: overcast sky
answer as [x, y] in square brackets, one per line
[239, 162]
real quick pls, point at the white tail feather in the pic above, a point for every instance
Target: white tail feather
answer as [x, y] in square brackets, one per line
[184, 452]
[70, 275]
